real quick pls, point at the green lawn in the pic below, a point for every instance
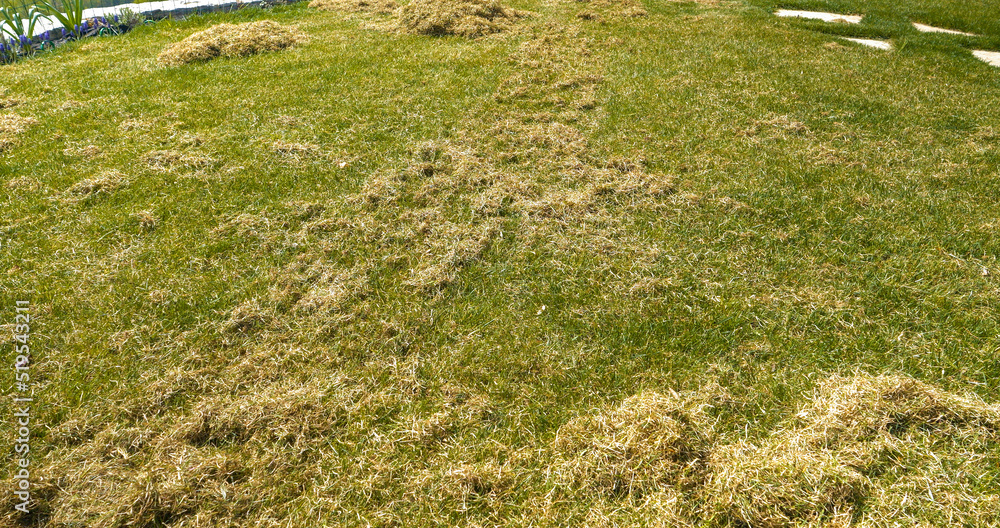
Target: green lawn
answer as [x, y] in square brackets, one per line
[399, 280]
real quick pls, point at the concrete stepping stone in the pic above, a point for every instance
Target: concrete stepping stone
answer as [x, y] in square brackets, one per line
[880, 44]
[819, 15]
[924, 28]
[989, 57]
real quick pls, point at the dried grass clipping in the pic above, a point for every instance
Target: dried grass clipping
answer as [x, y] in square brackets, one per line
[106, 182]
[230, 40]
[822, 467]
[10, 126]
[651, 440]
[467, 18]
[355, 6]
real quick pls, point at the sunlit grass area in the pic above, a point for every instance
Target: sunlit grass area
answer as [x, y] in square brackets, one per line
[600, 263]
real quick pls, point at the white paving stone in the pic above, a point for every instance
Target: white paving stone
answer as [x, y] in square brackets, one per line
[931, 29]
[880, 44]
[989, 57]
[819, 15]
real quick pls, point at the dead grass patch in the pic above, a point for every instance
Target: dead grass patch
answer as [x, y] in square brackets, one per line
[71, 104]
[781, 126]
[649, 441]
[624, 8]
[147, 220]
[166, 160]
[245, 226]
[283, 412]
[356, 6]
[898, 446]
[466, 18]
[778, 485]
[12, 125]
[331, 291]
[84, 151]
[246, 318]
[296, 151]
[449, 248]
[136, 124]
[812, 472]
[856, 408]
[443, 424]
[107, 182]
[25, 183]
[230, 40]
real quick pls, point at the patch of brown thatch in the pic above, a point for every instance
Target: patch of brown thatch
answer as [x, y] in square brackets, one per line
[450, 248]
[467, 18]
[355, 6]
[283, 412]
[12, 125]
[649, 441]
[171, 159]
[902, 448]
[625, 8]
[230, 40]
[781, 485]
[25, 183]
[861, 407]
[105, 183]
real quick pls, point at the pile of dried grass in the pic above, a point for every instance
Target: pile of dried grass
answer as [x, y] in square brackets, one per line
[820, 469]
[862, 407]
[449, 248]
[12, 125]
[864, 440]
[283, 413]
[467, 18]
[781, 484]
[230, 40]
[166, 160]
[651, 440]
[355, 6]
[333, 290]
[625, 8]
[106, 182]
